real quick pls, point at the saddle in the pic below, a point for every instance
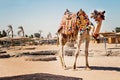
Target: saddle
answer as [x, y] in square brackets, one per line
[72, 23]
[69, 24]
[83, 22]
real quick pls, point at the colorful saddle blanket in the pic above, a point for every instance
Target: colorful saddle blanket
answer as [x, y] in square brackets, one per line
[72, 23]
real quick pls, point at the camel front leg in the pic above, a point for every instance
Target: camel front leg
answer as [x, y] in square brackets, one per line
[86, 53]
[79, 42]
[76, 56]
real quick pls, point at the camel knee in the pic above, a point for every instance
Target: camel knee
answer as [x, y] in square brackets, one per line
[61, 57]
[86, 52]
[76, 55]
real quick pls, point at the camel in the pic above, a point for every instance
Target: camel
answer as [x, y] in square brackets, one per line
[75, 27]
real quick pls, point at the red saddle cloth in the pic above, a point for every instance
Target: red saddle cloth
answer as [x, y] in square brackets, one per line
[68, 25]
[73, 23]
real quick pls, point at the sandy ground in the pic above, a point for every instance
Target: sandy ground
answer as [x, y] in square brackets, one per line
[103, 67]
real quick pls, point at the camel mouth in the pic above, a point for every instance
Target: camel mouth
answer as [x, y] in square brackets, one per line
[102, 17]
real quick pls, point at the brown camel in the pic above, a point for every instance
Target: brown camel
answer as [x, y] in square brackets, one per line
[76, 28]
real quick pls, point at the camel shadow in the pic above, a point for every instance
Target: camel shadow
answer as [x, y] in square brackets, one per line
[40, 76]
[103, 68]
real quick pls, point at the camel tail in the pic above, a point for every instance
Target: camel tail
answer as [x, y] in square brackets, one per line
[58, 32]
[57, 41]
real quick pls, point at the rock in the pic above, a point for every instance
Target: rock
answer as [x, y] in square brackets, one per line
[43, 53]
[69, 52]
[35, 53]
[19, 54]
[113, 52]
[1, 52]
[69, 44]
[45, 58]
[4, 56]
[30, 48]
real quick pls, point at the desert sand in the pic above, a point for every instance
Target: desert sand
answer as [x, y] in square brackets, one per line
[103, 67]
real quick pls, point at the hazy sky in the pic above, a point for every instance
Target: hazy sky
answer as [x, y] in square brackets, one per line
[45, 15]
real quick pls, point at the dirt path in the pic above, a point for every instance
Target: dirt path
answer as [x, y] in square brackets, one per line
[103, 68]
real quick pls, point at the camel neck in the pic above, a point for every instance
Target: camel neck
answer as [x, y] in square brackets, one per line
[98, 27]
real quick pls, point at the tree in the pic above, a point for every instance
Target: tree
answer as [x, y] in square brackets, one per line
[0, 34]
[4, 33]
[26, 35]
[37, 35]
[117, 29]
[49, 35]
[40, 31]
[10, 29]
[31, 36]
[21, 31]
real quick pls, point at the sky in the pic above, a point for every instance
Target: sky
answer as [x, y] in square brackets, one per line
[45, 15]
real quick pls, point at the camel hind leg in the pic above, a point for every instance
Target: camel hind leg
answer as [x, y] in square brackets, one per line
[61, 54]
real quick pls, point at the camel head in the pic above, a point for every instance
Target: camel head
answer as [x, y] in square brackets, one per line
[67, 14]
[98, 15]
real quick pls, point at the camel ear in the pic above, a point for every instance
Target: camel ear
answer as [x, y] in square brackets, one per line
[77, 13]
[92, 15]
[103, 12]
[95, 11]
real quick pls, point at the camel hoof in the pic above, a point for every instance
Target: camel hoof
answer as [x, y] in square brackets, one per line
[67, 68]
[88, 68]
[74, 67]
[64, 67]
